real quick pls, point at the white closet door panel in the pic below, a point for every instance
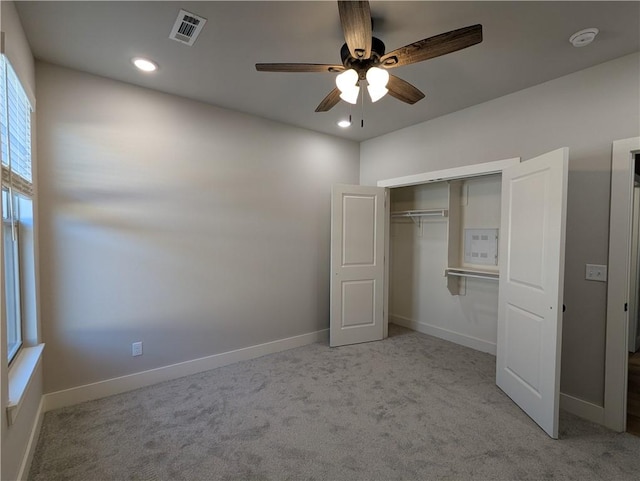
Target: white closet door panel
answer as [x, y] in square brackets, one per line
[531, 285]
[358, 228]
[357, 264]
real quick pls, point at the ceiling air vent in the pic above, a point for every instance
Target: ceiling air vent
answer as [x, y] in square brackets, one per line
[187, 27]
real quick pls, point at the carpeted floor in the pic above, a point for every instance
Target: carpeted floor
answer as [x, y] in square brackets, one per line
[411, 407]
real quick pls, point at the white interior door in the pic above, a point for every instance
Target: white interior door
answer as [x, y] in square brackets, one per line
[534, 197]
[357, 264]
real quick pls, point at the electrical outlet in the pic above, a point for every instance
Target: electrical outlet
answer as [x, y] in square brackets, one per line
[596, 272]
[136, 348]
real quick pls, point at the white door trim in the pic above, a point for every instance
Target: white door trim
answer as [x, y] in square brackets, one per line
[615, 385]
[454, 173]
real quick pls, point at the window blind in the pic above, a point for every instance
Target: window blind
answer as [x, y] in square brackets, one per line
[15, 131]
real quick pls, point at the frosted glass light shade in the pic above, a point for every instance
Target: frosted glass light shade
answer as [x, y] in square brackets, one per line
[377, 93]
[377, 79]
[347, 83]
[351, 96]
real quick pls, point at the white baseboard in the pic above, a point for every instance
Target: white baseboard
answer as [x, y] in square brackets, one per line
[25, 467]
[88, 392]
[462, 339]
[581, 408]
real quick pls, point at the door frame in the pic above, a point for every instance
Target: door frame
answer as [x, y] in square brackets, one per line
[617, 320]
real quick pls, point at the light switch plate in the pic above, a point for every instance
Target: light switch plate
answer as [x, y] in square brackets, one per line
[596, 272]
[136, 348]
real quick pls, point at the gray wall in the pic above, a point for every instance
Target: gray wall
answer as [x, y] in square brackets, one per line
[194, 229]
[584, 111]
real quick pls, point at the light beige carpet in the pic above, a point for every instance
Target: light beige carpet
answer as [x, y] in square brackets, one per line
[411, 407]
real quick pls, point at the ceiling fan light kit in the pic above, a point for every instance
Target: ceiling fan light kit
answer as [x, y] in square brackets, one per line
[363, 58]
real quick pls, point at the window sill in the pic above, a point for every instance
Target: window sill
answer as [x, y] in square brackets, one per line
[20, 374]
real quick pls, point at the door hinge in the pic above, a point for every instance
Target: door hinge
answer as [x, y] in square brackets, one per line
[564, 308]
[626, 307]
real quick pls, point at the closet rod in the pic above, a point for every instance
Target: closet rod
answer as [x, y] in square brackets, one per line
[493, 277]
[420, 213]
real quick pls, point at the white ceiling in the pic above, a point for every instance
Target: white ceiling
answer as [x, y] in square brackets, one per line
[525, 43]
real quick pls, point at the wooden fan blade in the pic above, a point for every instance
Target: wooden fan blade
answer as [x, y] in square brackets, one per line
[329, 101]
[403, 90]
[355, 18]
[433, 47]
[298, 67]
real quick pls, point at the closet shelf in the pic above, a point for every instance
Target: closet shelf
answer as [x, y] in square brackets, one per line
[421, 213]
[474, 273]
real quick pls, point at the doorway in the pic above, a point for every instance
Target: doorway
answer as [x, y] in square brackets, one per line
[633, 383]
[633, 394]
[634, 290]
[622, 288]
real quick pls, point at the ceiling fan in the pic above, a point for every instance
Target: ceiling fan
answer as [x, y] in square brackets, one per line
[364, 58]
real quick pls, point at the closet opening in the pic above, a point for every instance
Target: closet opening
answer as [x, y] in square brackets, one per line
[473, 255]
[443, 259]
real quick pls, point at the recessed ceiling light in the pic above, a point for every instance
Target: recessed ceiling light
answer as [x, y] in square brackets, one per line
[344, 123]
[583, 37]
[144, 64]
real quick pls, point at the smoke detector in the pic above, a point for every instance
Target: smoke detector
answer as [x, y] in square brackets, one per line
[583, 37]
[187, 27]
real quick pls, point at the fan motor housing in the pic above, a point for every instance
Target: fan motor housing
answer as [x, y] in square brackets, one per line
[362, 65]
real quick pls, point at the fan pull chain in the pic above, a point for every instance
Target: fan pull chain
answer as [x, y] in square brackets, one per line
[362, 111]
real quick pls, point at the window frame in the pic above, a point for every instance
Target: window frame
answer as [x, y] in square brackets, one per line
[11, 233]
[16, 181]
